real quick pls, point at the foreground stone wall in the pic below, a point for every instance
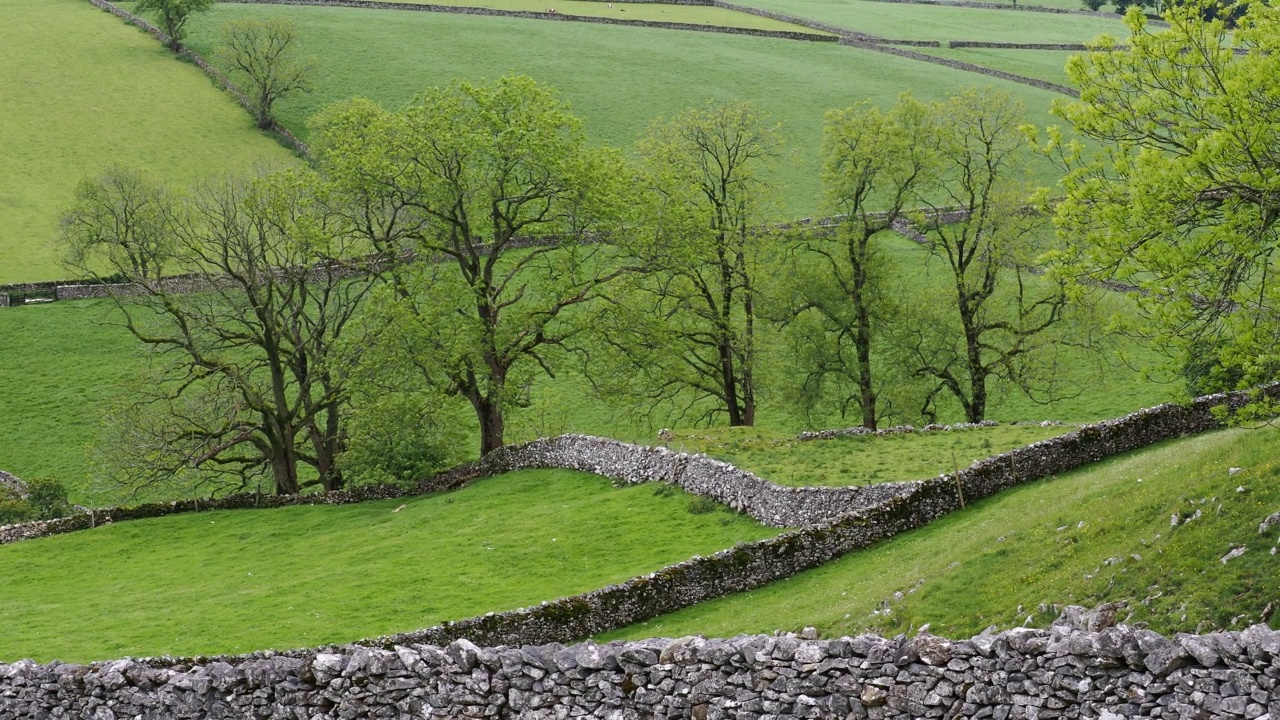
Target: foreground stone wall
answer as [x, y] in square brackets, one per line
[1064, 672]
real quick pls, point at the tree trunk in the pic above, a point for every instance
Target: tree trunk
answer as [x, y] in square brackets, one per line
[491, 426]
[862, 331]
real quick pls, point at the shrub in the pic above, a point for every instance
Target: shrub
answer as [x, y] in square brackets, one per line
[1094, 5]
[702, 505]
[47, 499]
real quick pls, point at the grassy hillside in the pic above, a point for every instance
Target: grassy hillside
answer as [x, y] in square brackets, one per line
[938, 22]
[81, 90]
[245, 580]
[1096, 535]
[857, 460]
[618, 79]
[1047, 65]
[659, 12]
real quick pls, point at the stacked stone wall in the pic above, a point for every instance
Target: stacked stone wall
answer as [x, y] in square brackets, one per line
[1107, 673]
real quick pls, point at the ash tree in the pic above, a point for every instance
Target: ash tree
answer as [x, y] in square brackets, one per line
[875, 164]
[1180, 193]
[262, 56]
[248, 382]
[173, 16]
[997, 320]
[486, 207]
[684, 334]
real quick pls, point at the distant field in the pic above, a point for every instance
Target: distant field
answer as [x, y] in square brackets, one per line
[857, 460]
[661, 12]
[1047, 65]
[618, 79]
[82, 89]
[1095, 535]
[295, 577]
[938, 22]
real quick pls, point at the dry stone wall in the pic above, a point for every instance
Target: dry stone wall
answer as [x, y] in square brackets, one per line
[1064, 672]
[462, 10]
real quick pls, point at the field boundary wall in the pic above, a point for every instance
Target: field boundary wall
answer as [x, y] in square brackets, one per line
[214, 74]
[1151, 18]
[956, 64]
[1093, 670]
[461, 10]
[743, 567]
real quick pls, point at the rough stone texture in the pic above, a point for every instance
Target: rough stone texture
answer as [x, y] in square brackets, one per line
[743, 567]
[895, 430]
[13, 484]
[1041, 674]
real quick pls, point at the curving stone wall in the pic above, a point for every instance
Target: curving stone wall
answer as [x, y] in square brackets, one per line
[1063, 672]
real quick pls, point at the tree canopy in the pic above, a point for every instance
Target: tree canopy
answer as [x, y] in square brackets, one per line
[1180, 195]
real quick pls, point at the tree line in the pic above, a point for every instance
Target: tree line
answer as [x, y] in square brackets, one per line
[349, 306]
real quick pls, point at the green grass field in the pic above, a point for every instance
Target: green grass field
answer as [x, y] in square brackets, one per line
[654, 12]
[618, 79]
[1095, 535]
[81, 90]
[244, 580]
[857, 460]
[1047, 65]
[936, 22]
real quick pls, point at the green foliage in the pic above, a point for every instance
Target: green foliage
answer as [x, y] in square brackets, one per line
[463, 174]
[262, 57]
[875, 166]
[399, 438]
[13, 508]
[173, 16]
[1177, 200]
[1100, 534]
[1094, 5]
[47, 498]
[683, 333]
[306, 576]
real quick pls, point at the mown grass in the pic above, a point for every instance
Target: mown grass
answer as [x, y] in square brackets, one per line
[618, 79]
[1101, 534]
[245, 580]
[857, 460]
[938, 22]
[82, 90]
[656, 12]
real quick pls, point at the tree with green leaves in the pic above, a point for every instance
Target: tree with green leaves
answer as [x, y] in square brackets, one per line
[999, 319]
[685, 332]
[261, 55]
[486, 206]
[249, 373]
[875, 164]
[173, 16]
[1180, 195]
